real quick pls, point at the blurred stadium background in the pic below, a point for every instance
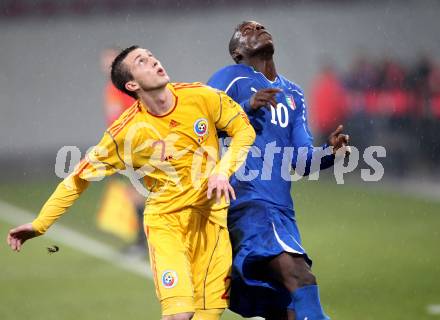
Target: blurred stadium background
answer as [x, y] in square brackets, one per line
[373, 65]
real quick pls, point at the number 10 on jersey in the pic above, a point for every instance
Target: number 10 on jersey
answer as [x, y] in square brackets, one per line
[280, 115]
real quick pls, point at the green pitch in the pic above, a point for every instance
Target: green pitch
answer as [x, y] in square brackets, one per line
[375, 255]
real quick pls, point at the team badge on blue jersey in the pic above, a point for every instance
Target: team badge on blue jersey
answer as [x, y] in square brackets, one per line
[290, 101]
[169, 279]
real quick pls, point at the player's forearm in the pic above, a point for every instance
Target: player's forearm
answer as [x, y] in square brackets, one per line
[63, 197]
[308, 164]
[237, 152]
[328, 160]
[315, 159]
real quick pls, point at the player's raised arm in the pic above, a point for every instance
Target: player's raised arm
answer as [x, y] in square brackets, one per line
[229, 117]
[302, 138]
[102, 161]
[339, 140]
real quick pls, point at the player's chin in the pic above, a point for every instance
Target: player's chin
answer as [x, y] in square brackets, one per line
[165, 79]
[265, 46]
[268, 43]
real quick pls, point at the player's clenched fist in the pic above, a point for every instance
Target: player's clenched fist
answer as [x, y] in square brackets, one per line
[264, 98]
[220, 184]
[17, 236]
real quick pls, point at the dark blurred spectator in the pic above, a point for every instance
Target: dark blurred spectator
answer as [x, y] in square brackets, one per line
[384, 103]
[434, 91]
[389, 97]
[362, 75]
[417, 82]
[391, 75]
[361, 78]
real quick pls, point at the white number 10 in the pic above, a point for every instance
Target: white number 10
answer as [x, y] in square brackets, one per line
[281, 113]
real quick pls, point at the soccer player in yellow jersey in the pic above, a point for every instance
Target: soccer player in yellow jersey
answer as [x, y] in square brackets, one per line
[169, 137]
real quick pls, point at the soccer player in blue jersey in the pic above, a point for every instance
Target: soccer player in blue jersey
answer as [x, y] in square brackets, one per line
[271, 274]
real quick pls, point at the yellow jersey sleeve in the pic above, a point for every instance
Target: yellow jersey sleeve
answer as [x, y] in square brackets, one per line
[230, 117]
[103, 160]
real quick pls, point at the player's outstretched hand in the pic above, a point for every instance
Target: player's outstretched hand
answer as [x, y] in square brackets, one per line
[17, 236]
[339, 140]
[264, 98]
[220, 184]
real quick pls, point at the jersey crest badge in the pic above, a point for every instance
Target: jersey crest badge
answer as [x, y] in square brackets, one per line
[201, 129]
[290, 102]
[169, 279]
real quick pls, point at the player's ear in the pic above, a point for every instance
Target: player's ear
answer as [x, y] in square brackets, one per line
[132, 86]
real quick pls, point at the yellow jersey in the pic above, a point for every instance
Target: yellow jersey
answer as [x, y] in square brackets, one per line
[174, 154]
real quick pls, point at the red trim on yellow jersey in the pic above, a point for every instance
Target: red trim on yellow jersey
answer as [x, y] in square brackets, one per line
[169, 112]
[181, 85]
[81, 166]
[188, 87]
[114, 131]
[191, 85]
[124, 116]
[186, 83]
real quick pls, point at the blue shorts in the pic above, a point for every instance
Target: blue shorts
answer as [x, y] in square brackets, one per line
[260, 231]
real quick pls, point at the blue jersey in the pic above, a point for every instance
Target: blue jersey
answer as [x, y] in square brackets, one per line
[283, 137]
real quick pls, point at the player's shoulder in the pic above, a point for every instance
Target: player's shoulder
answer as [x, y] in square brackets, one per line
[230, 76]
[231, 70]
[292, 86]
[230, 73]
[127, 117]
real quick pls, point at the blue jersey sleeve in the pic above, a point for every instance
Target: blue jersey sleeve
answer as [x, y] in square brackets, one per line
[302, 141]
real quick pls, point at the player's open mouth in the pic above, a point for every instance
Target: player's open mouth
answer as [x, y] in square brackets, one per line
[161, 72]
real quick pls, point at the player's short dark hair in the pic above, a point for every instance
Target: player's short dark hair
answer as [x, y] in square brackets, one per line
[233, 43]
[120, 74]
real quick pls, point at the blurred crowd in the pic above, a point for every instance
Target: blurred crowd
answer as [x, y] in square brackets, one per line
[383, 102]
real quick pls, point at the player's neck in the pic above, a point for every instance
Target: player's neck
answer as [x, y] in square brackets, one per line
[265, 66]
[157, 102]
